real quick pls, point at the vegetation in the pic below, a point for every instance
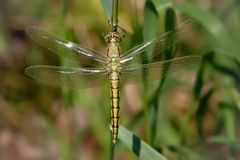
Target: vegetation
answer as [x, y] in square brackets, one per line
[191, 115]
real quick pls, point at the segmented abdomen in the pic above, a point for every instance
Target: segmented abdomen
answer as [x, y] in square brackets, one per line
[114, 78]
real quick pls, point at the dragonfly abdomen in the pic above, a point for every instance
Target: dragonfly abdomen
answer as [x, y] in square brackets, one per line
[114, 68]
[114, 78]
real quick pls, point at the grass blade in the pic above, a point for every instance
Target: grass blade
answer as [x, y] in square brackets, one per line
[138, 146]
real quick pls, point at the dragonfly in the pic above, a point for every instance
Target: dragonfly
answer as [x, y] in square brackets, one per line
[111, 68]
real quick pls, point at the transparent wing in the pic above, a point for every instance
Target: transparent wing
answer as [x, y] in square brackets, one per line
[68, 76]
[158, 45]
[65, 48]
[157, 70]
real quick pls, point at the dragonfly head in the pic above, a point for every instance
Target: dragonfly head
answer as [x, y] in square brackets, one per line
[112, 38]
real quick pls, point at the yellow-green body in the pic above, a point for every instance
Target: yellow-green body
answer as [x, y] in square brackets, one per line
[114, 68]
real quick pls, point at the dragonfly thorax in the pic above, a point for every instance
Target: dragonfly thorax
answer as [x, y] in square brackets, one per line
[113, 52]
[114, 65]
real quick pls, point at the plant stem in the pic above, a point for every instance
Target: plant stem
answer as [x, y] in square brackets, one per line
[114, 18]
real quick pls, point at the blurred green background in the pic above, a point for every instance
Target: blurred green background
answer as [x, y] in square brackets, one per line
[194, 115]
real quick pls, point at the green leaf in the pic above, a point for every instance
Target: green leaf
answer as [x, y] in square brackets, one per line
[228, 51]
[138, 146]
[170, 24]
[150, 32]
[208, 20]
[199, 83]
[213, 25]
[233, 143]
[201, 112]
[227, 113]
[236, 97]
[107, 8]
[162, 4]
[187, 153]
[150, 24]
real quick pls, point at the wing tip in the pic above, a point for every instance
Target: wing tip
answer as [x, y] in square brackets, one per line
[27, 70]
[30, 29]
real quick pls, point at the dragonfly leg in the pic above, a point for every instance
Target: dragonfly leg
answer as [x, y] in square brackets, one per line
[123, 31]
